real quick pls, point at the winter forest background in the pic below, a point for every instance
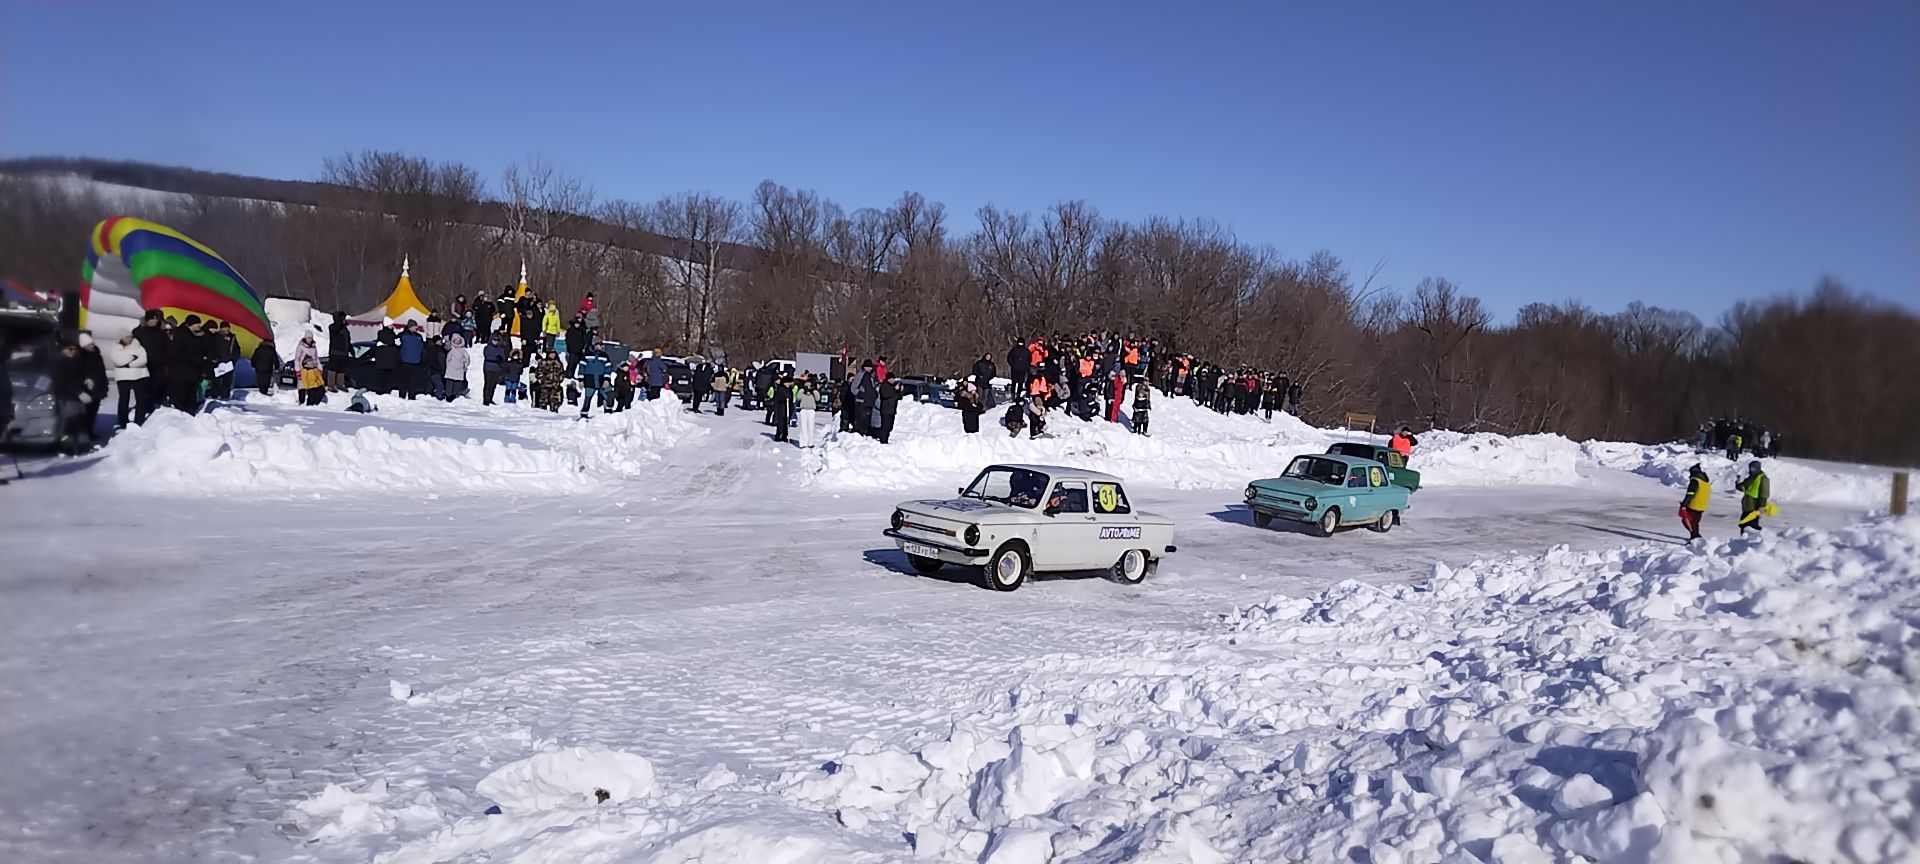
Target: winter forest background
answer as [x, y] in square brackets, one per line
[1835, 372]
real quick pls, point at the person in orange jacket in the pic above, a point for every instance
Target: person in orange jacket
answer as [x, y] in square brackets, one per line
[1403, 441]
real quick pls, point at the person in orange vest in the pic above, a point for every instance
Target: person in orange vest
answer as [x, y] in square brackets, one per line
[1693, 505]
[1037, 395]
[1403, 441]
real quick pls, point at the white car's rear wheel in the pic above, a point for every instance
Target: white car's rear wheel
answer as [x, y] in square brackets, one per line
[1007, 569]
[1132, 567]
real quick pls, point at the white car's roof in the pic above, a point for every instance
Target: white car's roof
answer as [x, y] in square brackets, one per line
[1059, 471]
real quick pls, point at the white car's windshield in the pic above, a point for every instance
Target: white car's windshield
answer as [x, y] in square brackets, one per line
[1015, 487]
[1317, 470]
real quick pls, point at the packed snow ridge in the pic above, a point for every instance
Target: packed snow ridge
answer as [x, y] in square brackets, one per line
[277, 448]
[1741, 700]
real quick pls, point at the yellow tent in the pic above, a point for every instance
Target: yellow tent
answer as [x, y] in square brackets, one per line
[517, 294]
[401, 306]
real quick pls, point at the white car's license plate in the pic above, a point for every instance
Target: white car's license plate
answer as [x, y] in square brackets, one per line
[919, 549]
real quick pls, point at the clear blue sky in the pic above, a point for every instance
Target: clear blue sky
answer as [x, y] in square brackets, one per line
[1687, 154]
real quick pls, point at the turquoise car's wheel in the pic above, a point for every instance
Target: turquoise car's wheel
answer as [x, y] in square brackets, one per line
[1385, 522]
[1132, 567]
[1007, 569]
[1329, 521]
[1262, 520]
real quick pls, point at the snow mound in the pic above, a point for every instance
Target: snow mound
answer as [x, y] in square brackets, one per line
[1191, 448]
[576, 776]
[1741, 700]
[1793, 480]
[223, 451]
[1484, 459]
[275, 448]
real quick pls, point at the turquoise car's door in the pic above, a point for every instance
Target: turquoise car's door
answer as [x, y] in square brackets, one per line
[1365, 497]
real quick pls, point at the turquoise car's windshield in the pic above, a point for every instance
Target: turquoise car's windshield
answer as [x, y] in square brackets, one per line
[1015, 487]
[1318, 470]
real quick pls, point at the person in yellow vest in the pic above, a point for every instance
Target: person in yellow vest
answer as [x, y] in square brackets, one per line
[1756, 498]
[1693, 505]
[550, 327]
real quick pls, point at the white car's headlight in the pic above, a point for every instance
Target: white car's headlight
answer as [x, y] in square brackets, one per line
[971, 535]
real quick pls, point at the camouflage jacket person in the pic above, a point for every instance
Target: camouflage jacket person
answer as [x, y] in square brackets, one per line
[549, 376]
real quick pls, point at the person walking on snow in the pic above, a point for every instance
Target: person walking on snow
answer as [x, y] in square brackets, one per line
[266, 363]
[594, 368]
[1756, 498]
[1693, 504]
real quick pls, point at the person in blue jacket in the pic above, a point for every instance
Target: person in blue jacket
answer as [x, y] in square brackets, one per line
[656, 375]
[492, 359]
[594, 368]
[413, 369]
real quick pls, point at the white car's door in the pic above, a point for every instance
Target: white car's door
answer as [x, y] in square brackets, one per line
[1119, 529]
[1068, 534]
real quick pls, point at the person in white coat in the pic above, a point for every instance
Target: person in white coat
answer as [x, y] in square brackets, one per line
[456, 374]
[806, 401]
[127, 367]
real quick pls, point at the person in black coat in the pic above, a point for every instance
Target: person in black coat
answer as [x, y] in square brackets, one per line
[576, 344]
[339, 352]
[70, 399]
[221, 350]
[265, 361]
[93, 367]
[152, 389]
[187, 364]
[865, 390]
[983, 372]
[386, 360]
[849, 404]
[886, 403]
[434, 357]
[702, 386]
[1019, 367]
[483, 313]
[780, 404]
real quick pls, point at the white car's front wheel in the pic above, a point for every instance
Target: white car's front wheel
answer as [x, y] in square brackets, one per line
[1132, 567]
[1007, 569]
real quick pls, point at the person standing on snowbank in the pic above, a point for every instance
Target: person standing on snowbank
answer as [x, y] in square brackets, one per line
[187, 365]
[266, 363]
[1693, 505]
[493, 359]
[1756, 496]
[1142, 406]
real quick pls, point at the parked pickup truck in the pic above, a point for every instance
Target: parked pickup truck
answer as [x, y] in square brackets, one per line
[1397, 471]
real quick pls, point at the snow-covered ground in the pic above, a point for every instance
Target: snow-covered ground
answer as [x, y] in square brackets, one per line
[458, 633]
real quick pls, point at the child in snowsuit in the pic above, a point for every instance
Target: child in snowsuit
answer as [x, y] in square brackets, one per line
[1693, 505]
[313, 383]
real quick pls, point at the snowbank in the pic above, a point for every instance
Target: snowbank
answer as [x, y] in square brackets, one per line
[261, 451]
[1735, 701]
[1793, 480]
[222, 451]
[1190, 448]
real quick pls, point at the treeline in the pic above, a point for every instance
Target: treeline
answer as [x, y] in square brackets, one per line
[790, 270]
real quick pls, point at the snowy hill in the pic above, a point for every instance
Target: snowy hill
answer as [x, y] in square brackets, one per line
[448, 632]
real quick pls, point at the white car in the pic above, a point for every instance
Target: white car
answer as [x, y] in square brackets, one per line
[1013, 520]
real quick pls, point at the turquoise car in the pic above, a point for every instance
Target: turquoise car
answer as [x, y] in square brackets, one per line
[1328, 491]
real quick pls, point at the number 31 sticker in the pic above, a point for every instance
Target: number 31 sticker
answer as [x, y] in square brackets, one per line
[1109, 498]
